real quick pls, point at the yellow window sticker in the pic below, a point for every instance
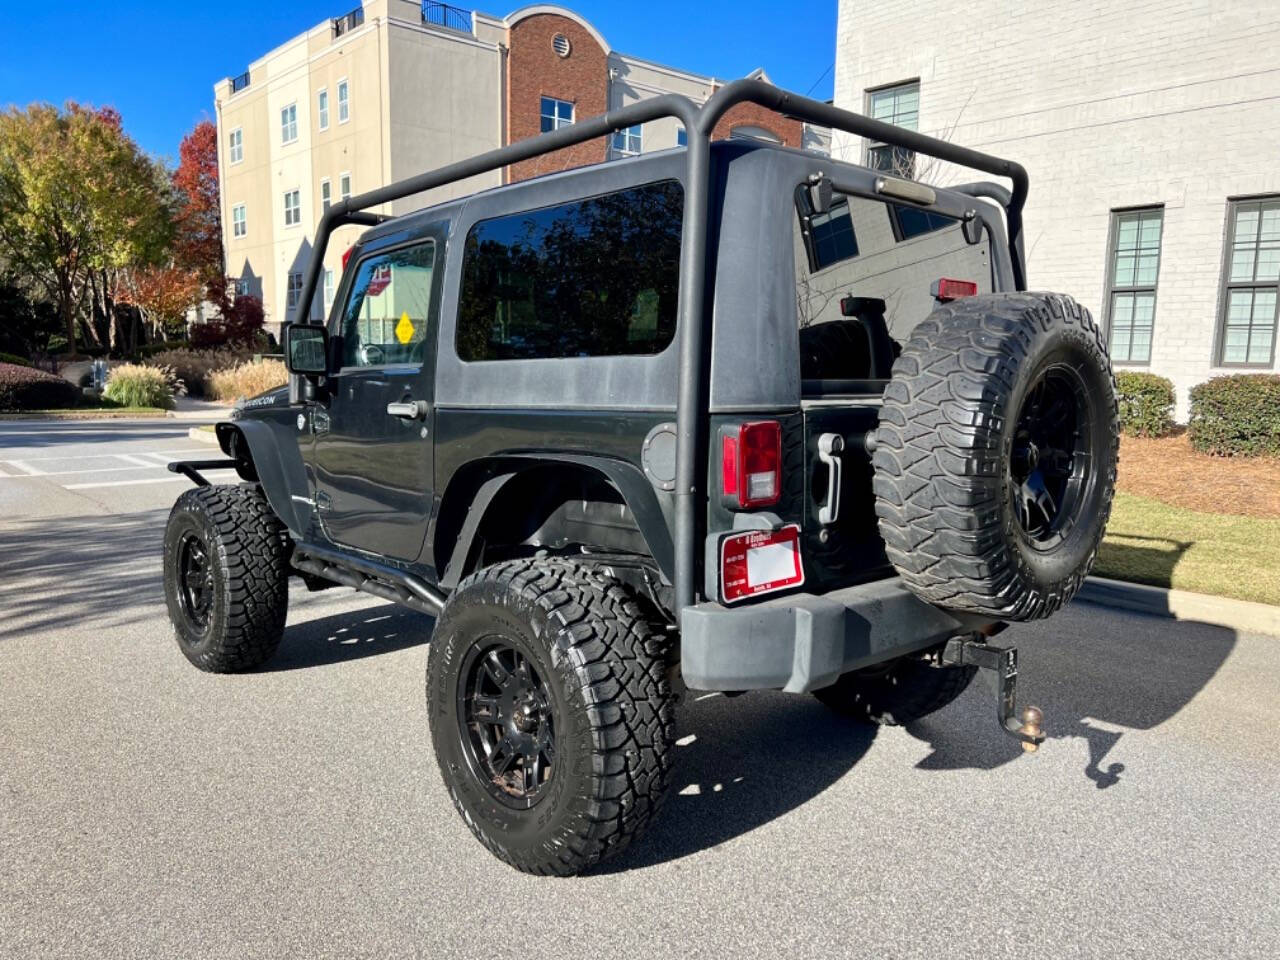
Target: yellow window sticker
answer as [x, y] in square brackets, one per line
[404, 329]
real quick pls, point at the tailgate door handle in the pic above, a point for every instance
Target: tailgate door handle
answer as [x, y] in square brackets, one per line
[829, 447]
[409, 409]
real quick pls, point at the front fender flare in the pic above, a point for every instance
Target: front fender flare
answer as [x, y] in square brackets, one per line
[279, 466]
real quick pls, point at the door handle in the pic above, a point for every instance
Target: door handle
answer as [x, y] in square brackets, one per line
[829, 447]
[409, 409]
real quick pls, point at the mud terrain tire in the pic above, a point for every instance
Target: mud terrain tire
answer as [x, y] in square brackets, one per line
[995, 456]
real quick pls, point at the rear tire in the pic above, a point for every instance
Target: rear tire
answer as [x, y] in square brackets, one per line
[551, 713]
[996, 455]
[226, 577]
[898, 692]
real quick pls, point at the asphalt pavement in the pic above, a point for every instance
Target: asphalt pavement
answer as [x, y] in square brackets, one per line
[150, 810]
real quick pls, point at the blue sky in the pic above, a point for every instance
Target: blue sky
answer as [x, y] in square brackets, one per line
[157, 62]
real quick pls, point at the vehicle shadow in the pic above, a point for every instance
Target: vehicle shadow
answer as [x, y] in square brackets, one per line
[350, 635]
[740, 763]
[1095, 672]
[70, 571]
[1141, 559]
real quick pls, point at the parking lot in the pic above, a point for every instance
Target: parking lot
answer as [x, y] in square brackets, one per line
[147, 809]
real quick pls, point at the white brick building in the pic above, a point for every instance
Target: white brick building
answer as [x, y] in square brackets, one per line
[1151, 131]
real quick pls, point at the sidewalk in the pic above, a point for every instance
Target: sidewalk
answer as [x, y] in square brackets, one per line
[189, 408]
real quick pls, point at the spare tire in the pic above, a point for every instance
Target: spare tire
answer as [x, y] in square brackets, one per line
[995, 456]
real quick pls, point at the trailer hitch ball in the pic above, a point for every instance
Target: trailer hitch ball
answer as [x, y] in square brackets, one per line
[1000, 664]
[1031, 729]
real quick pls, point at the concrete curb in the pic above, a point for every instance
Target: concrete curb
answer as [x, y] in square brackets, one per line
[204, 436]
[1182, 605]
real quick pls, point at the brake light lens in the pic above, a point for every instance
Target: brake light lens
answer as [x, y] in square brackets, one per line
[760, 561]
[751, 464]
[347, 256]
[947, 289]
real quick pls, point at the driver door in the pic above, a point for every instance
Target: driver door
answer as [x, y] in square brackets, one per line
[373, 454]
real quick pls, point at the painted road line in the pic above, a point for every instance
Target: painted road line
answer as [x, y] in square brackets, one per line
[64, 473]
[107, 456]
[136, 461]
[126, 483]
[24, 466]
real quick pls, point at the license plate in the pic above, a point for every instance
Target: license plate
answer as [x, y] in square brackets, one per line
[760, 561]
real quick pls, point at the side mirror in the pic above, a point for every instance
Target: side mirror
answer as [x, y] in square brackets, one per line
[306, 349]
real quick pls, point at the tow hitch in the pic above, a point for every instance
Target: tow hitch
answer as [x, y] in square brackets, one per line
[1001, 666]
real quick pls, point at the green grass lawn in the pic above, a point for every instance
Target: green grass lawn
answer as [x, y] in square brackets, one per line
[1228, 556]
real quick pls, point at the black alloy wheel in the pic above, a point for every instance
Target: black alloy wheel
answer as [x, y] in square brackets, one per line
[195, 581]
[507, 723]
[1051, 456]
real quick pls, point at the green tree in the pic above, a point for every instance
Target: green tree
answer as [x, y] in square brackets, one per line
[78, 201]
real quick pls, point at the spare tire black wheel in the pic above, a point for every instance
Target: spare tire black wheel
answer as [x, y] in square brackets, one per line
[996, 453]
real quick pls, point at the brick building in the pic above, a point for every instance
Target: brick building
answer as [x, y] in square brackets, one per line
[397, 87]
[1151, 131]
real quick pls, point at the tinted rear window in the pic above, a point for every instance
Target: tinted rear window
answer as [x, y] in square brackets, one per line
[591, 278]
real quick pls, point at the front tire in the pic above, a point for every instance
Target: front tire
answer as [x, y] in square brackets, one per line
[226, 577]
[551, 713]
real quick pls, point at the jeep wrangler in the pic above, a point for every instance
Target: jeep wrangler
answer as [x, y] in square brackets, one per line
[727, 417]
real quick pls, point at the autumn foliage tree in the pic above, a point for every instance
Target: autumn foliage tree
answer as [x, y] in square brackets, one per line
[198, 221]
[78, 198]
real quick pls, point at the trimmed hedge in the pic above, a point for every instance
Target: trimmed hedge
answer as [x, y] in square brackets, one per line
[1146, 404]
[16, 361]
[25, 388]
[1237, 415]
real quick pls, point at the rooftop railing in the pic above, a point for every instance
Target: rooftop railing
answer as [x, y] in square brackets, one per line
[449, 17]
[347, 22]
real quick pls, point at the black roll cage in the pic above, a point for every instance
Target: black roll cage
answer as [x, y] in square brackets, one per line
[699, 122]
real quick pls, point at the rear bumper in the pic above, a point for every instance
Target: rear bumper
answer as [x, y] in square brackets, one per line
[805, 641]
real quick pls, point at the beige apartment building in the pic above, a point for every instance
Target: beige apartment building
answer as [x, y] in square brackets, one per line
[394, 88]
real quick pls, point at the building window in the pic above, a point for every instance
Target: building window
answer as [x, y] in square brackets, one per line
[289, 123]
[328, 288]
[292, 208]
[1133, 268]
[322, 108]
[556, 114]
[344, 186]
[235, 146]
[542, 283]
[295, 290]
[239, 223]
[1251, 282]
[344, 102]
[240, 287]
[626, 143]
[682, 137]
[899, 105]
[326, 195]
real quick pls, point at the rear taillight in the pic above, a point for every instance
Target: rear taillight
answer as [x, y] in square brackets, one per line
[751, 464]
[947, 289]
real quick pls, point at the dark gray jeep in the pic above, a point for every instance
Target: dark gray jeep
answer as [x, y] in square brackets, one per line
[728, 417]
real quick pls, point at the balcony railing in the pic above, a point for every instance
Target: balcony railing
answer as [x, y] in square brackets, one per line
[240, 82]
[444, 15]
[347, 22]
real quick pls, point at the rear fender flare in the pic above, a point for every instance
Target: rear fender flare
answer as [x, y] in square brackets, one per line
[628, 479]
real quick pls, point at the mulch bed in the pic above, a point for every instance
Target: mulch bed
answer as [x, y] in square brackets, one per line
[1169, 470]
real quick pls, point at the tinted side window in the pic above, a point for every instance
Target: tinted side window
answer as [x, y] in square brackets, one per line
[389, 308]
[591, 278]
